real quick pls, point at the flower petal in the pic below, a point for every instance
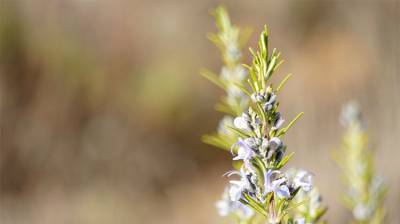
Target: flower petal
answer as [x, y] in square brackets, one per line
[283, 191]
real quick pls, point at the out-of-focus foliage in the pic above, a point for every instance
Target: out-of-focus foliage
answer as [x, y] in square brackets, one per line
[365, 190]
[230, 40]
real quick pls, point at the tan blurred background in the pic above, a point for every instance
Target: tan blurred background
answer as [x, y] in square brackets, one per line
[102, 107]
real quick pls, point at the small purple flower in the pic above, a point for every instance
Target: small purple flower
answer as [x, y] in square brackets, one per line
[257, 97]
[270, 103]
[245, 152]
[273, 182]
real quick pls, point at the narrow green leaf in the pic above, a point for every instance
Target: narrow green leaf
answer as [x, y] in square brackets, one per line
[284, 130]
[242, 88]
[261, 164]
[298, 204]
[280, 62]
[261, 112]
[216, 141]
[250, 201]
[320, 213]
[213, 78]
[215, 40]
[284, 161]
[270, 67]
[282, 83]
[221, 107]
[238, 132]
[251, 85]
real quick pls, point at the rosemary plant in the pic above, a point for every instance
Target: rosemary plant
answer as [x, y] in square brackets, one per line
[230, 40]
[365, 190]
[253, 130]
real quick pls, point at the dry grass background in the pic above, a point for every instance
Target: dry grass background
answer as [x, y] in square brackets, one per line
[102, 107]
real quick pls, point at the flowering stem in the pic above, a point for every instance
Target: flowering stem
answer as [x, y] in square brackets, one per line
[254, 135]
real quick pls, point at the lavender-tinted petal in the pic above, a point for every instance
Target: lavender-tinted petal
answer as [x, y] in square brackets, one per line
[283, 191]
[300, 221]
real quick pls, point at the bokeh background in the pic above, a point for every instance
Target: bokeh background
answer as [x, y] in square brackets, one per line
[102, 107]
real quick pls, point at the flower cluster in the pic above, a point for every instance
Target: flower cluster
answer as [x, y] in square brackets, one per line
[365, 190]
[252, 130]
[262, 184]
[310, 208]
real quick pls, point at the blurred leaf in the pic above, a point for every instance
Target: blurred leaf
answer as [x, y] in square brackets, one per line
[213, 78]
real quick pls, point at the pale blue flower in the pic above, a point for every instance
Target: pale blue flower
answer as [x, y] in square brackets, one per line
[300, 221]
[267, 98]
[245, 152]
[274, 182]
[270, 103]
[257, 97]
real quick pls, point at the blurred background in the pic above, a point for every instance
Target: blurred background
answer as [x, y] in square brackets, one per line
[102, 107]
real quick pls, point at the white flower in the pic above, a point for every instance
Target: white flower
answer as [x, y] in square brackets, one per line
[233, 93]
[237, 74]
[226, 207]
[303, 179]
[350, 114]
[225, 122]
[239, 186]
[242, 122]
[235, 191]
[362, 211]
[223, 207]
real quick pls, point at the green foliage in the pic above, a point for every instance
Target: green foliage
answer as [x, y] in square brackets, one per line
[229, 40]
[366, 190]
[252, 115]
